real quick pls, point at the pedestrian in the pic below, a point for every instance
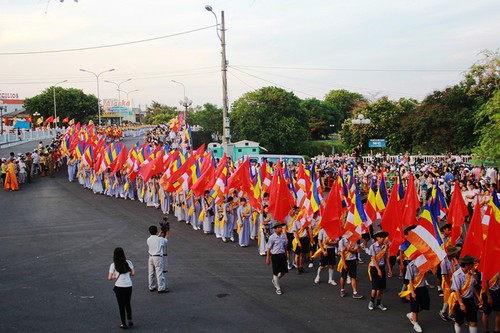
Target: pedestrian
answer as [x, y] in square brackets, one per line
[327, 247]
[121, 271]
[461, 299]
[4, 169]
[276, 254]
[491, 302]
[156, 248]
[448, 266]
[348, 262]
[418, 292]
[11, 183]
[376, 272]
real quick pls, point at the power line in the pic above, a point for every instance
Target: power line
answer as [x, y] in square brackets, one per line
[107, 46]
[355, 69]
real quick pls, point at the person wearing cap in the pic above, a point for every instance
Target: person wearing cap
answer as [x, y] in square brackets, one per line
[447, 267]
[490, 296]
[289, 221]
[462, 297]
[379, 260]
[276, 254]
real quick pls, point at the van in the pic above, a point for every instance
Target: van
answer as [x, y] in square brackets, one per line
[296, 159]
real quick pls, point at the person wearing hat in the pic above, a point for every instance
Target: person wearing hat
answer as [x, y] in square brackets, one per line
[447, 267]
[376, 272]
[348, 263]
[491, 302]
[327, 247]
[276, 253]
[462, 297]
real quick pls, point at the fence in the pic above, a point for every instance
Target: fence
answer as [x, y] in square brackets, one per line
[424, 158]
[12, 139]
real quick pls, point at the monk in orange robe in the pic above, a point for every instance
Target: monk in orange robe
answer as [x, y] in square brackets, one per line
[11, 178]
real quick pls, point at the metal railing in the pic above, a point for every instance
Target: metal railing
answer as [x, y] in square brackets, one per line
[424, 158]
[27, 136]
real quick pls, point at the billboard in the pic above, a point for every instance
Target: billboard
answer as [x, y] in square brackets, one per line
[111, 107]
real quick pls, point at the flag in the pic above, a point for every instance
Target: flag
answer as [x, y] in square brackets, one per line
[65, 120]
[39, 121]
[330, 220]
[490, 263]
[357, 221]
[153, 168]
[371, 205]
[265, 174]
[206, 180]
[410, 202]
[49, 120]
[280, 198]
[392, 223]
[424, 242]
[474, 242]
[401, 189]
[457, 213]
[72, 122]
[429, 221]
[120, 160]
[381, 197]
[240, 179]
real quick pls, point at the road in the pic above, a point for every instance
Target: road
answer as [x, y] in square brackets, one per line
[56, 245]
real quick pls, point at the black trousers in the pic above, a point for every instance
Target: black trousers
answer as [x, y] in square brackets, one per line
[123, 296]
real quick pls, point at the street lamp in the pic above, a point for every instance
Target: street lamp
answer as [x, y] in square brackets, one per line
[55, 108]
[97, 79]
[225, 104]
[129, 92]
[1, 117]
[119, 97]
[360, 121]
[184, 102]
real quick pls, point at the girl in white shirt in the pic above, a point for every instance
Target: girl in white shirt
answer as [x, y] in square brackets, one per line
[121, 271]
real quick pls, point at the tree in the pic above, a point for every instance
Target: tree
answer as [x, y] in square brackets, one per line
[483, 78]
[71, 103]
[488, 146]
[209, 118]
[322, 118]
[344, 102]
[273, 117]
[159, 113]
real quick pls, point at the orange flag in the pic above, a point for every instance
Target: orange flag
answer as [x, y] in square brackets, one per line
[330, 221]
[474, 243]
[457, 213]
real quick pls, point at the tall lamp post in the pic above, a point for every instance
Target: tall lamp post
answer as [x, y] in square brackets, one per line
[225, 103]
[184, 102]
[98, 97]
[1, 117]
[361, 121]
[119, 97]
[55, 107]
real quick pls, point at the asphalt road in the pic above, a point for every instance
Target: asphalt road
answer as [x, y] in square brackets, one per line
[56, 245]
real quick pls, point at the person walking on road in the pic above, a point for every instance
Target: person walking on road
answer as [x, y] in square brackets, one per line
[156, 248]
[121, 271]
[276, 254]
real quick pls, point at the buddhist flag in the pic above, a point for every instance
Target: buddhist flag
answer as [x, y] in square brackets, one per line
[72, 122]
[424, 242]
[39, 121]
[381, 198]
[371, 205]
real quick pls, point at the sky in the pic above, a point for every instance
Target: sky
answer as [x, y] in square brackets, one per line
[395, 48]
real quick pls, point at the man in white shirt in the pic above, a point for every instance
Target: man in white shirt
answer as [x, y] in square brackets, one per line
[156, 248]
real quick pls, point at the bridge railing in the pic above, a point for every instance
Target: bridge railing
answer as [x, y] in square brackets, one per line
[425, 158]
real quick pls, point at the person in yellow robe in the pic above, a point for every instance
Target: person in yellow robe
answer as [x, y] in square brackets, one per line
[10, 177]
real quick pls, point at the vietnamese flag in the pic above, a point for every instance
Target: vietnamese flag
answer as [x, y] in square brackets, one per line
[49, 120]
[120, 160]
[474, 243]
[240, 179]
[410, 203]
[457, 213]
[490, 261]
[280, 197]
[152, 168]
[330, 221]
[207, 179]
[392, 223]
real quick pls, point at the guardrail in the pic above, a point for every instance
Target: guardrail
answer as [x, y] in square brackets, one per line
[12, 139]
[425, 158]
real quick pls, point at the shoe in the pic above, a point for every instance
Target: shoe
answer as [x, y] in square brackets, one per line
[410, 318]
[332, 282]
[417, 328]
[163, 291]
[232, 239]
[343, 293]
[440, 293]
[279, 292]
[130, 323]
[348, 280]
[274, 284]
[224, 239]
[443, 316]
[382, 307]
[290, 266]
[357, 296]
[152, 290]
[311, 265]
[360, 261]
[316, 279]
[124, 326]
[370, 306]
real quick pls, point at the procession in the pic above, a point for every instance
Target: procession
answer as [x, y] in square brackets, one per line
[414, 221]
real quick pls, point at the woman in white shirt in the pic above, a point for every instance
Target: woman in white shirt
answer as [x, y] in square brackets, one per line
[121, 271]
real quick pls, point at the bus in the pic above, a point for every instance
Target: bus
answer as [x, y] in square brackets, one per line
[296, 159]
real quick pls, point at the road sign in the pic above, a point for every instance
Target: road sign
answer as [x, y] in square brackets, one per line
[376, 143]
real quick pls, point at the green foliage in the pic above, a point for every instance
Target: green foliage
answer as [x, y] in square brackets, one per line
[273, 117]
[314, 148]
[71, 103]
[489, 146]
[159, 113]
[344, 103]
[322, 118]
[209, 117]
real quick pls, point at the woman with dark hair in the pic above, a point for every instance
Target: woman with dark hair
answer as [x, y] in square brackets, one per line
[121, 270]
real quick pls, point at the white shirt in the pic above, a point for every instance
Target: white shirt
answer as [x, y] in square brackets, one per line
[124, 280]
[157, 246]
